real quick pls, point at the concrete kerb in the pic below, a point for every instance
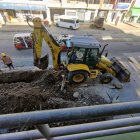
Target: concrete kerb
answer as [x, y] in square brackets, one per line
[136, 25]
[119, 40]
[15, 30]
[17, 23]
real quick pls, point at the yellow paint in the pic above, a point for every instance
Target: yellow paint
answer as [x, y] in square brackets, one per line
[94, 73]
[103, 66]
[105, 60]
[75, 67]
[39, 34]
[78, 78]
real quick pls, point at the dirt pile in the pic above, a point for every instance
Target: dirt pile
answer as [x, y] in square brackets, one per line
[42, 94]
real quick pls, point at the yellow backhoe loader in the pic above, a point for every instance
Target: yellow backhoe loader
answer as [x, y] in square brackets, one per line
[84, 61]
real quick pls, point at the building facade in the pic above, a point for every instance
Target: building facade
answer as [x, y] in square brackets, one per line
[134, 12]
[86, 10]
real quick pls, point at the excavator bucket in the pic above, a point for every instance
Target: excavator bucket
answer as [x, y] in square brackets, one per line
[42, 63]
[122, 72]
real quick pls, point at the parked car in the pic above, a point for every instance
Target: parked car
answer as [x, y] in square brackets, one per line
[66, 21]
[22, 41]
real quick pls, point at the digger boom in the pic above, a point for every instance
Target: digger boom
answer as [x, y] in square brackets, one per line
[40, 32]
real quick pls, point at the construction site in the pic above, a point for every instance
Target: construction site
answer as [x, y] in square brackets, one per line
[35, 89]
[81, 76]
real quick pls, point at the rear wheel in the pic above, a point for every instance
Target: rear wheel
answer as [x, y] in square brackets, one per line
[57, 25]
[71, 27]
[106, 78]
[77, 76]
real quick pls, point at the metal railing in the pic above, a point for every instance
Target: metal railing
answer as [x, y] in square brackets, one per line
[41, 119]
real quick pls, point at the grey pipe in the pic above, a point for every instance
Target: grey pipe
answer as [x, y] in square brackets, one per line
[95, 126]
[67, 114]
[34, 134]
[99, 133]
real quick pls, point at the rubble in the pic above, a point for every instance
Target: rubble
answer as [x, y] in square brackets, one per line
[116, 83]
[76, 95]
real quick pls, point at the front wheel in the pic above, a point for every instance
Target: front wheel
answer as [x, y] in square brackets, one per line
[77, 76]
[57, 25]
[71, 27]
[106, 78]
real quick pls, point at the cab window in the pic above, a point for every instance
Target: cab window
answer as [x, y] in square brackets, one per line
[77, 55]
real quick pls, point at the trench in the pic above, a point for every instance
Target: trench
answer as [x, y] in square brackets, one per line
[28, 90]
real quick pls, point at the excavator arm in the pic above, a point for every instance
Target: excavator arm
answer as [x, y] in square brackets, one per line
[39, 33]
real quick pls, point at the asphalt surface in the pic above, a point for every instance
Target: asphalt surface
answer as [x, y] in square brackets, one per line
[126, 46]
[119, 41]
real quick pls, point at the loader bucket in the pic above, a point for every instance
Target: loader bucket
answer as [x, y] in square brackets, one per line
[122, 72]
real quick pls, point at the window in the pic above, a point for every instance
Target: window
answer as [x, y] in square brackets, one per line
[94, 1]
[125, 1]
[92, 57]
[71, 13]
[67, 20]
[77, 55]
[36, 12]
[90, 1]
[107, 1]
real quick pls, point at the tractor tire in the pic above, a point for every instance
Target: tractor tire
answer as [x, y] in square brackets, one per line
[77, 77]
[106, 78]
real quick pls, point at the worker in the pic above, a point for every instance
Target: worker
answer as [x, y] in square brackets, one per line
[7, 60]
[62, 45]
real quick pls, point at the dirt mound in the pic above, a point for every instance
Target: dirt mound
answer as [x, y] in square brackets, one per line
[43, 93]
[21, 97]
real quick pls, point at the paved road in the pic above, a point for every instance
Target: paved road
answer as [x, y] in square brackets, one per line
[119, 42]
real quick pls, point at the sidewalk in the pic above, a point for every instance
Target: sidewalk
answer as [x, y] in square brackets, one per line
[125, 26]
[133, 29]
[16, 23]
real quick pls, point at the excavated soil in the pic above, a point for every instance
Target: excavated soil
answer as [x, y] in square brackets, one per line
[22, 97]
[43, 93]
